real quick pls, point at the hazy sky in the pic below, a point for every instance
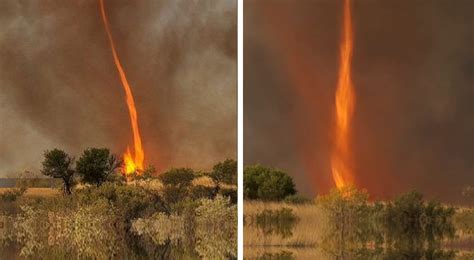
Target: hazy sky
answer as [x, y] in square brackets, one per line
[413, 67]
[59, 86]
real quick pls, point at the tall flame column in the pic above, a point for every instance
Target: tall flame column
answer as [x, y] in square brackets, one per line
[344, 101]
[132, 163]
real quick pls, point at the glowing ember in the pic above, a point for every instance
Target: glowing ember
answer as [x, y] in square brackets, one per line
[132, 163]
[345, 101]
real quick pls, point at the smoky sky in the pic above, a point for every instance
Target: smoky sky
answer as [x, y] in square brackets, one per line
[413, 77]
[59, 86]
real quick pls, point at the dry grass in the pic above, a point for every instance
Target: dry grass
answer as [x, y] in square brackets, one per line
[208, 182]
[203, 181]
[307, 232]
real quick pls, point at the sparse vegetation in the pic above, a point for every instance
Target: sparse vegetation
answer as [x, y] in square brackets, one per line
[345, 224]
[108, 217]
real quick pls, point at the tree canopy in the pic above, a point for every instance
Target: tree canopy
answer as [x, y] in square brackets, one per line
[96, 164]
[267, 183]
[225, 172]
[58, 164]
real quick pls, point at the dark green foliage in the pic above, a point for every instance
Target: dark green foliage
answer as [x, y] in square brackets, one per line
[174, 194]
[225, 172]
[182, 177]
[131, 201]
[411, 220]
[177, 184]
[58, 164]
[202, 192]
[408, 224]
[96, 165]
[350, 218]
[280, 222]
[267, 184]
[297, 199]
[231, 193]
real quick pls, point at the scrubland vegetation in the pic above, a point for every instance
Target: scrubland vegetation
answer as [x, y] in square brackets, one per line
[98, 214]
[346, 224]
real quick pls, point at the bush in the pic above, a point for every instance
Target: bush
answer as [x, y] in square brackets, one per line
[225, 172]
[177, 184]
[131, 201]
[267, 184]
[178, 177]
[297, 199]
[229, 193]
[350, 218]
[216, 229]
[202, 192]
[414, 222]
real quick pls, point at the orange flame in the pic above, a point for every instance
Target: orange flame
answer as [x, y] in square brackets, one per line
[132, 164]
[345, 101]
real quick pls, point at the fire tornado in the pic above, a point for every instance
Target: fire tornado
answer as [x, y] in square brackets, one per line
[133, 162]
[344, 101]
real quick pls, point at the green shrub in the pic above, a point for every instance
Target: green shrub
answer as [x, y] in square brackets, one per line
[182, 177]
[297, 199]
[225, 172]
[229, 193]
[202, 192]
[177, 184]
[130, 200]
[409, 221]
[267, 184]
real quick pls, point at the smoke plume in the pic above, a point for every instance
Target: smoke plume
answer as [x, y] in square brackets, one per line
[59, 87]
[412, 75]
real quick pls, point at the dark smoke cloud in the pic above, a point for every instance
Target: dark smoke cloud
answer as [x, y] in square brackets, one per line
[59, 86]
[413, 77]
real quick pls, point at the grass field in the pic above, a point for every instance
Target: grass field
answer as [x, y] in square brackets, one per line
[151, 184]
[307, 232]
[312, 223]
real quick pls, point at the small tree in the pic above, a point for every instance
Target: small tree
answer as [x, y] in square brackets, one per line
[177, 184]
[58, 164]
[224, 172]
[267, 184]
[96, 165]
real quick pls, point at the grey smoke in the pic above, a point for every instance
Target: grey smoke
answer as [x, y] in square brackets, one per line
[59, 86]
[413, 74]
